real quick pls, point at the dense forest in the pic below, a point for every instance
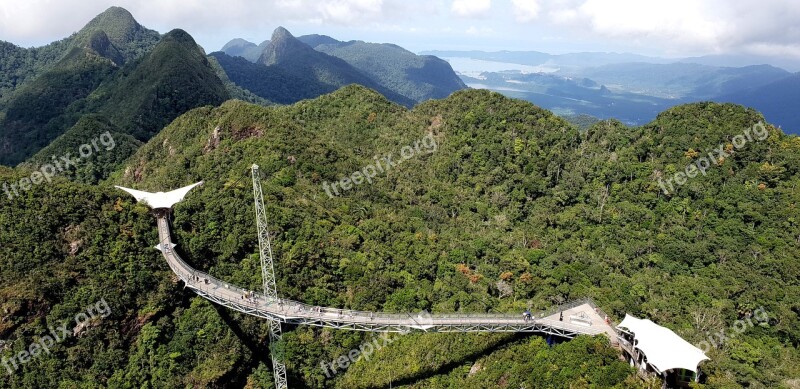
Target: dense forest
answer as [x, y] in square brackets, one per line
[136, 81]
[418, 77]
[132, 77]
[515, 209]
[286, 69]
[128, 39]
[88, 94]
[316, 72]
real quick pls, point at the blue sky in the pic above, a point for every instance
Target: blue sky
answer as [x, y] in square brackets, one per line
[672, 28]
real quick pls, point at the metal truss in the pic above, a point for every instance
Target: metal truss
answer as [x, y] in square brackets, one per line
[293, 312]
[268, 277]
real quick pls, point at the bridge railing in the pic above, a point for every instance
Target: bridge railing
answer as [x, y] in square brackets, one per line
[466, 315]
[351, 315]
[563, 307]
[197, 279]
[192, 276]
[297, 308]
[573, 304]
[602, 313]
[292, 308]
[571, 327]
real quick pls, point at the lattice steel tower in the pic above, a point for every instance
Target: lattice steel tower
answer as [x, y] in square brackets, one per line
[268, 277]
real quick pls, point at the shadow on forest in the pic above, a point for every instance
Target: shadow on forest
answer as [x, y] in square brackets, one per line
[448, 367]
[258, 352]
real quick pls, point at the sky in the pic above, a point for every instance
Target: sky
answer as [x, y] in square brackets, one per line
[667, 28]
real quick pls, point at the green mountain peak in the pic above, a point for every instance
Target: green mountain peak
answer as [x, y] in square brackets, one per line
[179, 36]
[116, 22]
[115, 13]
[177, 71]
[281, 33]
[284, 45]
[129, 37]
[237, 43]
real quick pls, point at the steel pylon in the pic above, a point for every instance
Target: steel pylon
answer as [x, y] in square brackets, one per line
[268, 278]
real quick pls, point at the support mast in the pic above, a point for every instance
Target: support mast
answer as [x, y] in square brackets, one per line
[268, 278]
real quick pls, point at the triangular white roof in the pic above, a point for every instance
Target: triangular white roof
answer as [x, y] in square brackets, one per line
[160, 199]
[664, 349]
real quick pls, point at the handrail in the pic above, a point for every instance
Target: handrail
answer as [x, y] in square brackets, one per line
[563, 307]
[210, 286]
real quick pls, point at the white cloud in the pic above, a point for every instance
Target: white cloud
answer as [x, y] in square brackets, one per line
[678, 27]
[688, 21]
[471, 8]
[35, 19]
[526, 10]
[773, 49]
[345, 12]
[711, 26]
[479, 31]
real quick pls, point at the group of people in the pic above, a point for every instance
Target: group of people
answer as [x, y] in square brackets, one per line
[249, 296]
[197, 279]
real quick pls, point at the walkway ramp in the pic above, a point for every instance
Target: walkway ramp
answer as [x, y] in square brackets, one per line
[289, 311]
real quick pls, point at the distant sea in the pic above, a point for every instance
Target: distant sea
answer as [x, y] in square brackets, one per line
[474, 67]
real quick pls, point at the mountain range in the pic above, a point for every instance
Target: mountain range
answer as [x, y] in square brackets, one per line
[288, 70]
[778, 101]
[116, 75]
[308, 65]
[113, 75]
[595, 59]
[628, 87]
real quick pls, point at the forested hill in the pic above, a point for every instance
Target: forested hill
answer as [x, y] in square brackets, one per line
[288, 71]
[473, 203]
[326, 72]
[420, 77]
[115, 76]
[42, 84]
[137, 102]
[317, 62]
[130, 39]
[514, 207]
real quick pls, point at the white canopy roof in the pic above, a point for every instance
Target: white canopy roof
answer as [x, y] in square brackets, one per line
[664, 349]
[160, 199]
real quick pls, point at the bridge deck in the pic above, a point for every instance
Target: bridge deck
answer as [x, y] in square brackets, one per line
[288, 311]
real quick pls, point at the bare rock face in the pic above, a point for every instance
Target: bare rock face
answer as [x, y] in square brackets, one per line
[213, 141]
[475, 369]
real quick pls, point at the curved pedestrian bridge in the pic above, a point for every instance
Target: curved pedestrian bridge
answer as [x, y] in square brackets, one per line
[580, 317]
